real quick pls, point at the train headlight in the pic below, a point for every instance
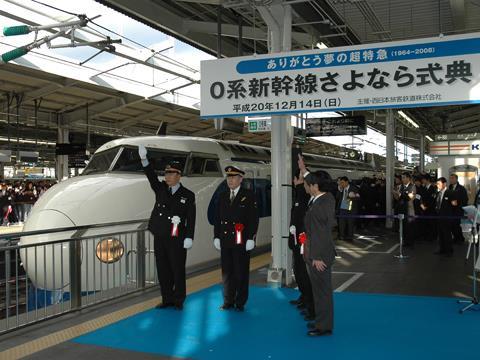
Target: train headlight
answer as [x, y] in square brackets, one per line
[110, 250]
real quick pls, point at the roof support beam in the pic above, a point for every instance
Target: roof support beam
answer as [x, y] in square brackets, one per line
[102, 107]
[458, 13]
[248, 32]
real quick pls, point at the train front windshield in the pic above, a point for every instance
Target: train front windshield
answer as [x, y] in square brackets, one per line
[129, 161]
[101, 162]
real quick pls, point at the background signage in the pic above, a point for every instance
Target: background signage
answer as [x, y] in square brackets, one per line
[337, 126]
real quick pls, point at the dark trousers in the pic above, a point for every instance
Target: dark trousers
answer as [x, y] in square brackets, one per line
[302, 279]
[408, 231]
[345, 225]
[322, 296]
[456, 230]
[170, 257]
[444, 227]
[429, 228]
[235, 274]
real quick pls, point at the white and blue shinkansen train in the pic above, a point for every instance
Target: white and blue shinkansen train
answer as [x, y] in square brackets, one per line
[113, 188]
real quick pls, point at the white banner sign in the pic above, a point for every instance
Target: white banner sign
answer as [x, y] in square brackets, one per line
[426, 72]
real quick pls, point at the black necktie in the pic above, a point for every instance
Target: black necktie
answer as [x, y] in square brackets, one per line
[310, 202]
[439, 200]
[170, 190]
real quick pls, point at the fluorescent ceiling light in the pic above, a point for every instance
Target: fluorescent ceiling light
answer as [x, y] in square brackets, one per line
[26, 141]
[258, 117]
[321, 45]
[428, 138]
[406, 117]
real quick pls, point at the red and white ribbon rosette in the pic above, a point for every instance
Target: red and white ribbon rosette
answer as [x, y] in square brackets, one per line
[302, 239]
[175, 222]
[238, 233]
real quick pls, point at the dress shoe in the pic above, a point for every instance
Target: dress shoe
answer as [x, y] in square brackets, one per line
[311, 325]
[178, 306]
[295, 302]
[164, 305]
[318, 332]
[239, 308]
[309, 317]
[226, 307]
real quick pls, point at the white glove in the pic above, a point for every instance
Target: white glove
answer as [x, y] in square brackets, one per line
[142, 152]
[216, 243]
[293, 229]
[249, 245]
[187, 243]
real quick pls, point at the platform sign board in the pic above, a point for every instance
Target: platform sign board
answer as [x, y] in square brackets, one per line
[260, 125]
[470, 136]
[70, 149]
[423, 72]
[77, 161]
[466, 147]
[336, 126]
[5, 155]
[28, 156]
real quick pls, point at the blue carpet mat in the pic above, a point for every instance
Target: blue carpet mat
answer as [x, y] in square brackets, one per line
[367, 326]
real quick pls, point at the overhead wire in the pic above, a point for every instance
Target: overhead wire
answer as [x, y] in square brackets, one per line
[170, 60]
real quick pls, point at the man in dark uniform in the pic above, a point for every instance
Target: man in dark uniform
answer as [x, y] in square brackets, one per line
[172, 223]
[460, 194]
[235, 228]
[444, 204]
[299, 208]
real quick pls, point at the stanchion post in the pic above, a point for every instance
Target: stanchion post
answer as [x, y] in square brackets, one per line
[400, 234]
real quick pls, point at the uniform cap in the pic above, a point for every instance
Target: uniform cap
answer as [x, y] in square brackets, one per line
[173, 167]
[232, 171]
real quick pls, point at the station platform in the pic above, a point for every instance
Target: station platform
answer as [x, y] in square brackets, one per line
[384, 308]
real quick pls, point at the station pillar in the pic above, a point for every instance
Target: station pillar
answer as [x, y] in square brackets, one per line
[61, 166]
[390, 165]
[278, 18]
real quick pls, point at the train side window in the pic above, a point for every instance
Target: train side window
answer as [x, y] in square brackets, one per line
[196, 166]
[212, 168]
[129, 160]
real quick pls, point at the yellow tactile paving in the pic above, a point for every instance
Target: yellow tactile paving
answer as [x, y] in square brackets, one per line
[10, 229]
[193, 284]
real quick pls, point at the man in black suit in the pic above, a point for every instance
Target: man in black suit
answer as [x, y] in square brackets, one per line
[406, 206]
[172, 222]
[460, 194]
[347, 201]
[319, 249]
[428, 208]
[235, 228]
[299, 208]
[444, 206]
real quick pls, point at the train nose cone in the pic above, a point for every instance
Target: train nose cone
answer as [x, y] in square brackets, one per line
[47, 265]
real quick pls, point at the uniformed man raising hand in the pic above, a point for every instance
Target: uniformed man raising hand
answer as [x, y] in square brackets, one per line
[235, 228]
[172, 223]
